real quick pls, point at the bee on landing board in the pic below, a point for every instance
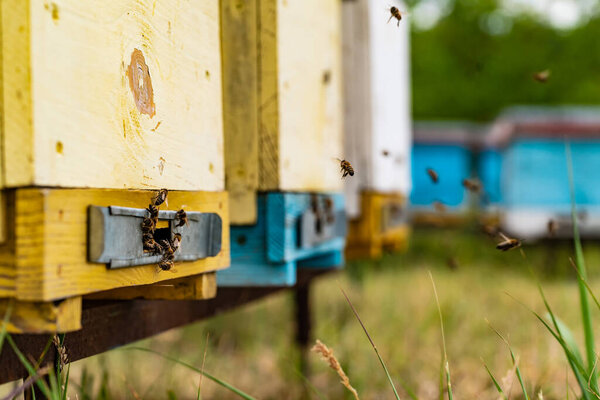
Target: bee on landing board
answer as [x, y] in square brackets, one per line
[181, 218]
[153, 211]
[473, 185]
[176, 242]
[168, 258]
[508, 243]
[345, 168]
[160, 197]
[433, 175]
[542, 76]
[395, 13]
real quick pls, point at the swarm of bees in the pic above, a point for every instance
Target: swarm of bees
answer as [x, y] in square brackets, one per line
[166, 247]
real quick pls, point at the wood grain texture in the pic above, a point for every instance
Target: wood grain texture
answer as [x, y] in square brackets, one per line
[368, 236]
[42, 317]
[69, 91]
[298, 105]
[239, 39]
[249, 263]
[48, 251]
[376, 100]
[198, 287]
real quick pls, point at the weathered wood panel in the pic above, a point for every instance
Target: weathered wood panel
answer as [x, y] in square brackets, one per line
[199, 287]
[294, 47]
[41, 317]
[115, 94]
[46, 252]
[376, 99]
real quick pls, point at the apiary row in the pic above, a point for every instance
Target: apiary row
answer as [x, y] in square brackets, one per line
[159, 150]
[522, 163]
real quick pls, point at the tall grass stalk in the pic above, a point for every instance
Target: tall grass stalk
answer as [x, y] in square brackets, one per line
[582, 273]
[372, 345]
[446, 363]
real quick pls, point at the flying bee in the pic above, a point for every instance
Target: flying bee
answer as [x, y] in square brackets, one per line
[147, 225]
[433, 175]
[508, 243]
[160, 197]
[439, 207]
[542, 76]
[385, 153]
[346, 168]
[473, 185]
[552, 227]
[395, 13]
[176, 242]
[181, 217]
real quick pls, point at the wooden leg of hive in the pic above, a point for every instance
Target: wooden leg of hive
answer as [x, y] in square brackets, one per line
[303, 324]
[198, 287]
[42, 317]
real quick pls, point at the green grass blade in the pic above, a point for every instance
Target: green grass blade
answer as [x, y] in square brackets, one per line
[446, 363]
[372, 345]
[496, 384]
[191, 367]
[580, 262]
[39, 382]
[66, 384]
[3, 331]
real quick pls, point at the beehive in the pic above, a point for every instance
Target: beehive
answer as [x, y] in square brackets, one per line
[100, 103]
[282, 99]
[377, 123]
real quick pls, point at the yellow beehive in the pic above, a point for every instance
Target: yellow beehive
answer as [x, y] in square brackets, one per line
[102, 101]
[282, 98]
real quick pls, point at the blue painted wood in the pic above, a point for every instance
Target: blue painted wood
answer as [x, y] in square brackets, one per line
[489, 168]
[268, 253]
[452, 163]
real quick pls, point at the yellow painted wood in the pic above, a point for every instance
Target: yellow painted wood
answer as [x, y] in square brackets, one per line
[47, 254]
[240, 111]
[77, 105]
[367, 235]
[42, 317]
[199, 287]
[294, 47]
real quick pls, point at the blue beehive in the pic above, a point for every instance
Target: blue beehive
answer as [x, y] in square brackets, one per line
[293, 230]
[448, 148]
[526, 165]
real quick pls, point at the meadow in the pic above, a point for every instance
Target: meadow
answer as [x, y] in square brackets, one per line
[253, 347]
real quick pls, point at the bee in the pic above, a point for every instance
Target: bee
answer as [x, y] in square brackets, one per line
[472, 185]
[165, 265]
[346, 168]
[385, 153]
[160, 197]
[552, 227]
[452, 263]
[433, 175]
[181, 217]
[395, 13]
[153, 211]
[147, 226]
[439, 206]
[168, 258]
[329, 210]
[151, 246]
[542, 76]
[176, 242]
[508, 243]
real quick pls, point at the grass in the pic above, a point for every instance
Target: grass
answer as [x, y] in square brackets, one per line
[395, 301]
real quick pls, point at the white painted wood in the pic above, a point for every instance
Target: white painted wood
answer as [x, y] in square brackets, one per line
[377, 99]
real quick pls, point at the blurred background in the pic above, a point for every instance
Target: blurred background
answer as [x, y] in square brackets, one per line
[497, 88]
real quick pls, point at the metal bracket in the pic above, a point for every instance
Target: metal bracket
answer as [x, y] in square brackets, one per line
[115, 236]
[318, 225]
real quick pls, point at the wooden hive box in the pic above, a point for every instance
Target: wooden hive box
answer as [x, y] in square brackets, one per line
[377, 122]
[101, 103]
[282, 77]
